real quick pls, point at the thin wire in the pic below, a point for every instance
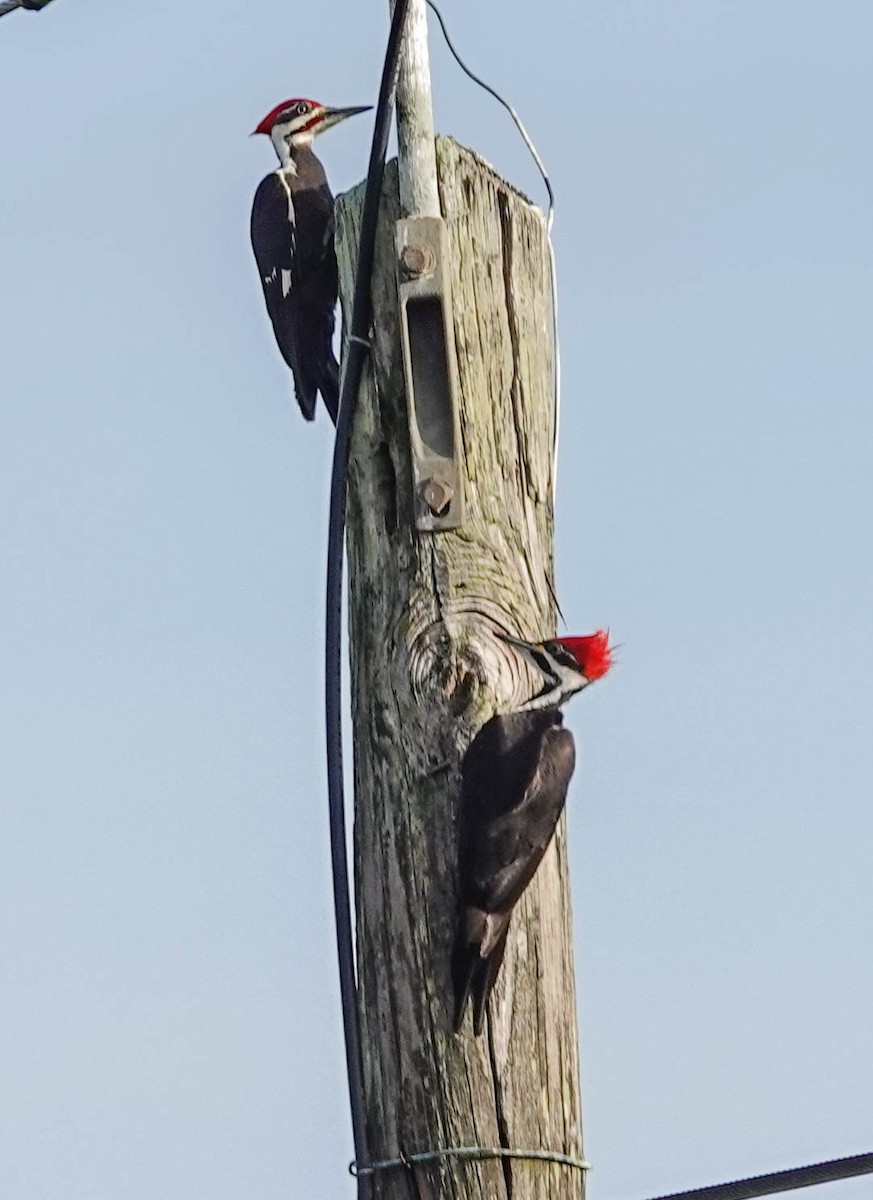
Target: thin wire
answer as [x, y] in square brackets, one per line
[469, 1154]
[781, 1181]
[528, 141]
[550, 218]
[356, 355]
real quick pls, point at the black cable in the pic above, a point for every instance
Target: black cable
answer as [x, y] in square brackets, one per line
[781, 1181]
[355, 358]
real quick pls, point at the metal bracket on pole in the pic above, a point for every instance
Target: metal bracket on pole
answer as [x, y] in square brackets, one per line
[430, 368]
[430, 363]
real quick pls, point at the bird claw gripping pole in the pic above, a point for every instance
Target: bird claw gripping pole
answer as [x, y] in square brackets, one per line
[430, 368]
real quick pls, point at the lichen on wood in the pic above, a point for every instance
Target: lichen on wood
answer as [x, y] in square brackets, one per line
[427, 671]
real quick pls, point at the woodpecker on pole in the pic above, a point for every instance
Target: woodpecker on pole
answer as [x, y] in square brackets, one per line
[515, 777]
[292, 230]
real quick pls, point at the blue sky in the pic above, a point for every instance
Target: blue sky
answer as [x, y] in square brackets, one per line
[169, 1022]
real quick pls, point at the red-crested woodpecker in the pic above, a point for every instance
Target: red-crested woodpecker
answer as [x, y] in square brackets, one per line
[515, 777]
[292, 236]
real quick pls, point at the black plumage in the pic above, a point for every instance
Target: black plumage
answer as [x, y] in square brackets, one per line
[515, 778]
[292, 230]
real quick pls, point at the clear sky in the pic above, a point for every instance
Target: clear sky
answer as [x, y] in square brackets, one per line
[169, 1021]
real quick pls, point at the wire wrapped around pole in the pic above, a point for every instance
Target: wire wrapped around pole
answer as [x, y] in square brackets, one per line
[357, 349]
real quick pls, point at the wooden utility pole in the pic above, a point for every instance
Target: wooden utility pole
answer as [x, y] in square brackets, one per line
[427, 672]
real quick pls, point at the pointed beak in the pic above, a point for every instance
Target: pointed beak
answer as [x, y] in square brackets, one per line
[333, 116]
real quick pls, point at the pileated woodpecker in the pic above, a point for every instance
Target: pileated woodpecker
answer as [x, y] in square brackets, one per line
[515, 777]
[292, 237]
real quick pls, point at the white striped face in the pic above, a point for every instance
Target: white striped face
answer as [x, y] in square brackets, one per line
[560, 673]
[295, 126]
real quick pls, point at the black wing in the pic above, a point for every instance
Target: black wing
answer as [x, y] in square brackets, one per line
[292, 237]
[516, 775]
[515, 779]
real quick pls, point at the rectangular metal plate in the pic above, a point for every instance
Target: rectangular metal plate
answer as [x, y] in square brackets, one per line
[430, 369]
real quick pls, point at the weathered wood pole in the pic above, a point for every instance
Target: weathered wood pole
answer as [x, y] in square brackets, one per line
[427, 671]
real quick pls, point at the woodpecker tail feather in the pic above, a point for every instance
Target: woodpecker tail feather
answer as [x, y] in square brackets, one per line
[485, 981]
[308, 350]
[306, 394]
[478, 952]
[329, 387]
[464, 961]
[308, 383]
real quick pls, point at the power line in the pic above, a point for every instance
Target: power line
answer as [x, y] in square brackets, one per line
[781, 1181]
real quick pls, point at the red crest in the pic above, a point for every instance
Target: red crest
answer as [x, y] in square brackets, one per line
[593, 653]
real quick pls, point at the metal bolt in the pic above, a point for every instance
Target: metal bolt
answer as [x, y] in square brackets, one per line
[418, 259]
[437, 496]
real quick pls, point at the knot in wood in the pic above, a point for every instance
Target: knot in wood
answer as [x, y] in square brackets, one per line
[471, 672]
[443, 668]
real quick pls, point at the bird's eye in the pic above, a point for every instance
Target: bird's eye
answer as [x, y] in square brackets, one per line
[301, 109]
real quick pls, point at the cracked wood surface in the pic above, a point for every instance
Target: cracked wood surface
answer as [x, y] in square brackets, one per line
[427, 671]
